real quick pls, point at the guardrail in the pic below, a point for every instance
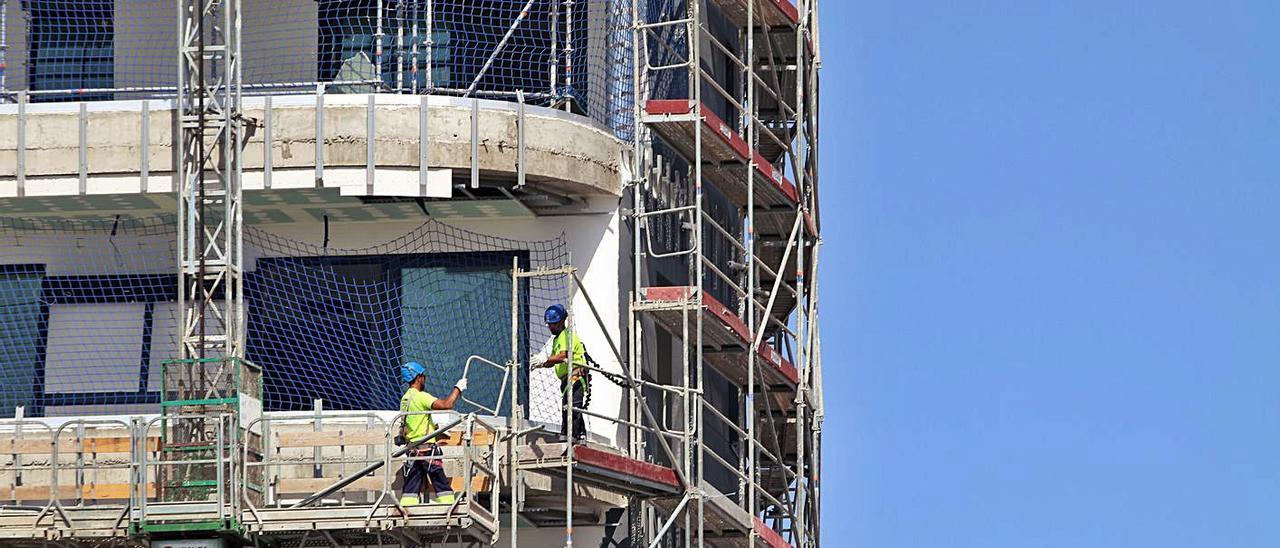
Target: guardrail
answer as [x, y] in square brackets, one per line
[115, 475]
[330, 460]
[191, 472]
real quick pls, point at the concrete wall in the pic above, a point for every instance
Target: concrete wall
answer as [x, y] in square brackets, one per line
[565, 153]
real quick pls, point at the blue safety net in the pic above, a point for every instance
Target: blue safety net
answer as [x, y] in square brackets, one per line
[570, 53]
[88, 313]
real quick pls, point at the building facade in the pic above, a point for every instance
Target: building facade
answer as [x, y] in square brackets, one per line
[419, 180]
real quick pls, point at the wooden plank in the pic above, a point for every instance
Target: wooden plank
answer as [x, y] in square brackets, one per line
[312, 485]
[481, 483]
[101, 491]
[478, 438]
[336, 438]
[94, 444]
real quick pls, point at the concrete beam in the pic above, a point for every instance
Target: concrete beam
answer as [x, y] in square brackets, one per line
[564, 154]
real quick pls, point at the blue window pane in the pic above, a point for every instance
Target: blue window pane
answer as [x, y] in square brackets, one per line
[338, 328]
[71, 47]
[20, 336]
[450, 314]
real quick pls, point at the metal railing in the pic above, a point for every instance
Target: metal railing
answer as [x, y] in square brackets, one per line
[129, 467]
[560, 53]
[194, 477]
[368, 452]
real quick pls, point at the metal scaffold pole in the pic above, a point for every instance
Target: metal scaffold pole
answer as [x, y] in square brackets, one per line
[4, 49]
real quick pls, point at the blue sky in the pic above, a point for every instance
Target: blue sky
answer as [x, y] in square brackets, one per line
[1051, 279]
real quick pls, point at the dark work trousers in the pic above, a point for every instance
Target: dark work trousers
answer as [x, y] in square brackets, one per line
[417, 470]
[578, 397]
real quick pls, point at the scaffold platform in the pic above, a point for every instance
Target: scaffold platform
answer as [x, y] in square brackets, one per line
[725, 524]
[724, 335]
[772, 13]
[601, 466]
[357, 524]
[724, 153]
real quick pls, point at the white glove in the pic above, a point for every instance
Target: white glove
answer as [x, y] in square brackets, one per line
[462, 384]
[539, 358]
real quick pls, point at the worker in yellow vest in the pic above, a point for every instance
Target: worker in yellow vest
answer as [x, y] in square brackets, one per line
[565, 352]
[415, 428]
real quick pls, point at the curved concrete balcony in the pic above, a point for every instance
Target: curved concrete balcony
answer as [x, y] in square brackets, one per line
[370, 146]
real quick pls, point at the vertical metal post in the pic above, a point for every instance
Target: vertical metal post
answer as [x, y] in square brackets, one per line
[18, 413]
[555, 47]
[475, 143]
[568, 54]
[80, 469]
[144, 149]
[399, 45]
[424, 145]
[514, 422]
[567, 416]
[317, 407]
[4, 46]
[83, 162]
[377, 47]
[750, 310]
[268, 159]
[370, 138]
[431, 41]
[695, 50]
[520, 132]
[800, 520]
[21, 174]
[319, 135]
[413, 46]
[221, 452]
[635, 514]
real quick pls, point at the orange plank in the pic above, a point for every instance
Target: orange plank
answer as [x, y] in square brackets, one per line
[333, 438]
[93, 444]
[373, 483]
[101, 491]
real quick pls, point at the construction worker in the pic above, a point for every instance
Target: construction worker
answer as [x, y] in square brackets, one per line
[415, 428]
[563, 350]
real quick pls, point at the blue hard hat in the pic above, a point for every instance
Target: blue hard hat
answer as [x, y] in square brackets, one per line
[411, 370]
[555, 314]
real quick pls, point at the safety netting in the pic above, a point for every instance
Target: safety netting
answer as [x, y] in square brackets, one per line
[89, 315]
[556, 52]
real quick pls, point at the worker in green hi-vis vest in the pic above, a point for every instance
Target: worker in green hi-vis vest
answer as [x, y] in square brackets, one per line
[565, 352]
[416, 427]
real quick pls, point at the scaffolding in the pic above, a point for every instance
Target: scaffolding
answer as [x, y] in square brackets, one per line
[727, 113]
[719, 360]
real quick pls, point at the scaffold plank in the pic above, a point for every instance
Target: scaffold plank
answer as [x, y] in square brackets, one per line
[768, 537]
[346, 521]
[30, 491]
[602, 467]
[337, 438]
[372, 483]
[772, 13]
[724, 153]
[726, 341]
[34, 445]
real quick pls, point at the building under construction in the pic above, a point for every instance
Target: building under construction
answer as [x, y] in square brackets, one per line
[225, 224]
